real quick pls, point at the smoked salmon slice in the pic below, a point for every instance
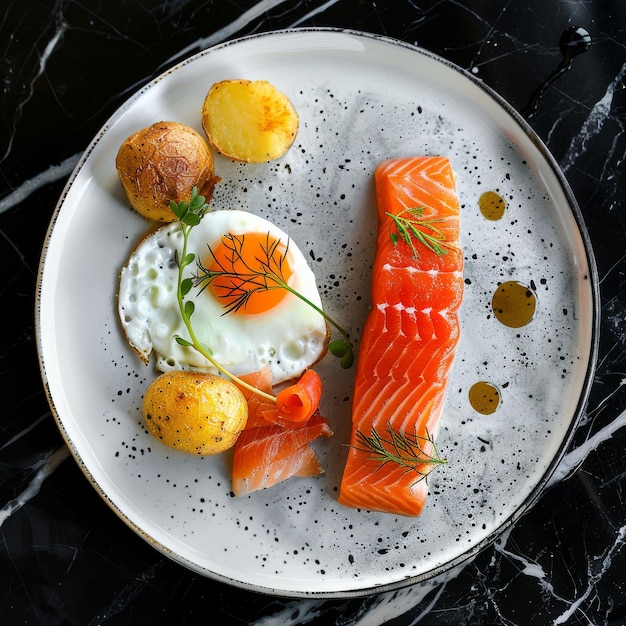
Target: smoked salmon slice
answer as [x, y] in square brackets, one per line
[409, 339]
[267, 455]
[270, 450]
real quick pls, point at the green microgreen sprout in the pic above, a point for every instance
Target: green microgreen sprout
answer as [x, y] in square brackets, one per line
[189, 214]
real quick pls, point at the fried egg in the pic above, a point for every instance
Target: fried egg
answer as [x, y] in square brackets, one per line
[245, 321]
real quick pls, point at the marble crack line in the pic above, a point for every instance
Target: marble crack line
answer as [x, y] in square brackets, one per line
[568, 465]
[391, 605]
[589, 416]
[25, 431]
[127, 595]
[314, 12]
[594, 122]
[21, 257]
[489, 37]
[385, 607]
[43, 60]
[294, 613]
[572, 460]
[45, 467]
[529, 567]
[51, 175]
[227, 31]
[432, 604]
[49, 49]
[594, 578]
[609, 272]
[490, 27]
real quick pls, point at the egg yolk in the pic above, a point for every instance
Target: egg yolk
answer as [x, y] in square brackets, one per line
[249, 271]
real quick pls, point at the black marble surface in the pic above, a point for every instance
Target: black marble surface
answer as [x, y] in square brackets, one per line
[66, 66]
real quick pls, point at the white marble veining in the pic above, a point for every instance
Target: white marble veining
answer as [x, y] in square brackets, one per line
[600, 113]
[42, 469]
[576, 573]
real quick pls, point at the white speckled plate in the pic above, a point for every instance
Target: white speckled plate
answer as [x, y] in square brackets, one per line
[361, 99]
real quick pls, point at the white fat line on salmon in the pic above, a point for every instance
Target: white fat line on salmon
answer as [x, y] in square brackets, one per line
[411, 310]
[387, 267]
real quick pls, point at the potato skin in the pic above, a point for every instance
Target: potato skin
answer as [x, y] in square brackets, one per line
[164, 162]
[194, 412]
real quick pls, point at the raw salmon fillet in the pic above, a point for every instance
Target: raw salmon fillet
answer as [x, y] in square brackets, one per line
[409, 339]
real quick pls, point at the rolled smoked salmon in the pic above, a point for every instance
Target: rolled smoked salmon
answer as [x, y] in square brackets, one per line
[409, 339]
[270, 449]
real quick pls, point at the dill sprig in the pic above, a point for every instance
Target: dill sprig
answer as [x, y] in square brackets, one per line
[267, 274]
[239, 286]
[424, 231]
[190, 214]
[405, 449]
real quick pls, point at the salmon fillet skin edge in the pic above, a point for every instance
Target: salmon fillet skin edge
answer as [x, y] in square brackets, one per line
[409, 338]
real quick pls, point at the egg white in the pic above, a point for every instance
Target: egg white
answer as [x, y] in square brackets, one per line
[289, 338]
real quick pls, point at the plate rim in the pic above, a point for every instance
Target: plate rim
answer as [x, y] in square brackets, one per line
[550, 160]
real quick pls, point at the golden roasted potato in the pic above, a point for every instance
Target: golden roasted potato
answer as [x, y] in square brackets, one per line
[249, 121]
[164, 162]
[194, 412]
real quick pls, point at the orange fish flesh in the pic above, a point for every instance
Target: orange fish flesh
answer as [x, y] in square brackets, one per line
[409, 339]
[270, 449]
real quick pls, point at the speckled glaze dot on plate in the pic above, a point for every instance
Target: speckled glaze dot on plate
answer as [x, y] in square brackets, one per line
[361, 99]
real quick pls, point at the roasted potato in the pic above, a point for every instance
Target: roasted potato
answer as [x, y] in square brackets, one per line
[164, 162]
[194, 412]
[249, 121]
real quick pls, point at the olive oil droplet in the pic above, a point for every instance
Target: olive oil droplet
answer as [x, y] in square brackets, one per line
[484, 397]
[492, 205]
[514, 304]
